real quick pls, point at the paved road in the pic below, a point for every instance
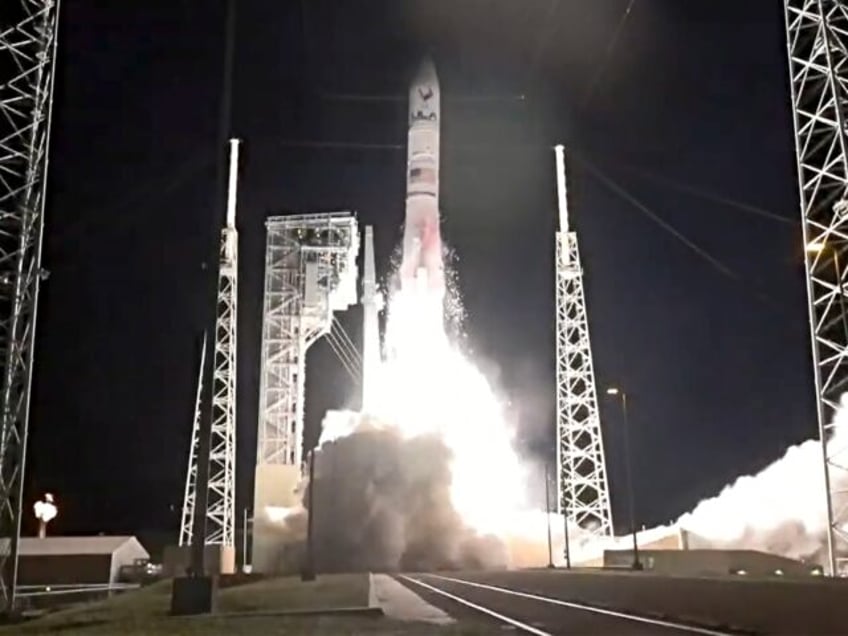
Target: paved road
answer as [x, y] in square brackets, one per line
[542, 615]
[774, 606]
[735, 605]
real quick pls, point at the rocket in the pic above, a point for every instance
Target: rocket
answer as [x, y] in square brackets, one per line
[422, 265]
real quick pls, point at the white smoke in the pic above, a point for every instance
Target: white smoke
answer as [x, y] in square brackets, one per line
[429, 388]
[781, 509]
[429, 397]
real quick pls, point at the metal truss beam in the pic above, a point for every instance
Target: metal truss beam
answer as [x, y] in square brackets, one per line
[817, 42]
[583, 493]
[310, 272]
[28, 34]
[190, 493]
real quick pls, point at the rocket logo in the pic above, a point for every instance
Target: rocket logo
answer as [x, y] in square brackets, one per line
[425, 113]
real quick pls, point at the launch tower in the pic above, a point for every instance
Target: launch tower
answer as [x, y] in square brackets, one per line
[28, 35]
[581, 468]
[817, 38]
[310, 272]
[220, 510]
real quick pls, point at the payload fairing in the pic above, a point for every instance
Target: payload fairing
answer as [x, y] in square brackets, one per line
[422, 244]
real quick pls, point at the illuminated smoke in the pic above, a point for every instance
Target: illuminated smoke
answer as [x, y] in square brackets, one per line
[781, 509]
[429, 387]
[383, 502]
[428, 479]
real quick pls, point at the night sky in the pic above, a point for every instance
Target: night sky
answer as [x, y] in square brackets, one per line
[693, 94]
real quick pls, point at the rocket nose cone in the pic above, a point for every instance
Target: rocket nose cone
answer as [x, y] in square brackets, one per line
[426, 72]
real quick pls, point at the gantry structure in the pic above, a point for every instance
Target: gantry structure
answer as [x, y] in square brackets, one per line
[583, 492]
[310, 272]
[221, 506]
[28, 36]
[817, 42]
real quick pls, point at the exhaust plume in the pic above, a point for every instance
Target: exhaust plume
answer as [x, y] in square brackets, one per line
[782, 508]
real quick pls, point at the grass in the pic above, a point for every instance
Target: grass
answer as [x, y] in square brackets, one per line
[145, 612]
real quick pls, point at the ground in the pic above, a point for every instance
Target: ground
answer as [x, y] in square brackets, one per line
[542, 600]
[739, 604]
[145, 612]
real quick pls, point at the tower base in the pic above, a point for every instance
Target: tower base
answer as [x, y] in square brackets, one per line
[274, 542]
[217, 559]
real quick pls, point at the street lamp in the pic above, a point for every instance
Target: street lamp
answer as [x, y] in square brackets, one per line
[45, 512]
[622, 397]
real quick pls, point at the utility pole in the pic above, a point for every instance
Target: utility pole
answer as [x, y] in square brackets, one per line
[548, 516]
[565, 531]
[631, 499]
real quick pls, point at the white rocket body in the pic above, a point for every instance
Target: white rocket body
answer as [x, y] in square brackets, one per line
[422, 245]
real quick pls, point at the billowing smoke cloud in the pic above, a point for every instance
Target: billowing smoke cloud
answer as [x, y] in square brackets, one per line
[383, 502]
[781, 509]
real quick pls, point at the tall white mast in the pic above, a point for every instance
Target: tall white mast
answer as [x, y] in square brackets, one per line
[220, 512]
[581, 468]
[370, 323]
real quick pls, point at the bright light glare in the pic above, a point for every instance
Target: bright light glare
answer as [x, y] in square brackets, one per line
[45, 511]
[427, 386]
[612, 391]
[815, 247]
[277, 514]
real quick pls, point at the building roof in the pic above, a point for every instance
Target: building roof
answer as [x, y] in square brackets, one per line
[33, 546]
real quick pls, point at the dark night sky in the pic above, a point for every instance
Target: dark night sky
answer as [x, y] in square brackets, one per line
[695, 92]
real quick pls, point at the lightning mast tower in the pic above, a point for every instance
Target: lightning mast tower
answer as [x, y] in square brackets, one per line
[220, 510]
[817, 42]
[28, 35]
[583, 494]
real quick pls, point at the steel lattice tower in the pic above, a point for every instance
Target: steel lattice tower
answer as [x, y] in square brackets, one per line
[28, 35]
[221, 509]
[817, 40]
[310, 271]
[190, 494]
[583, 494]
